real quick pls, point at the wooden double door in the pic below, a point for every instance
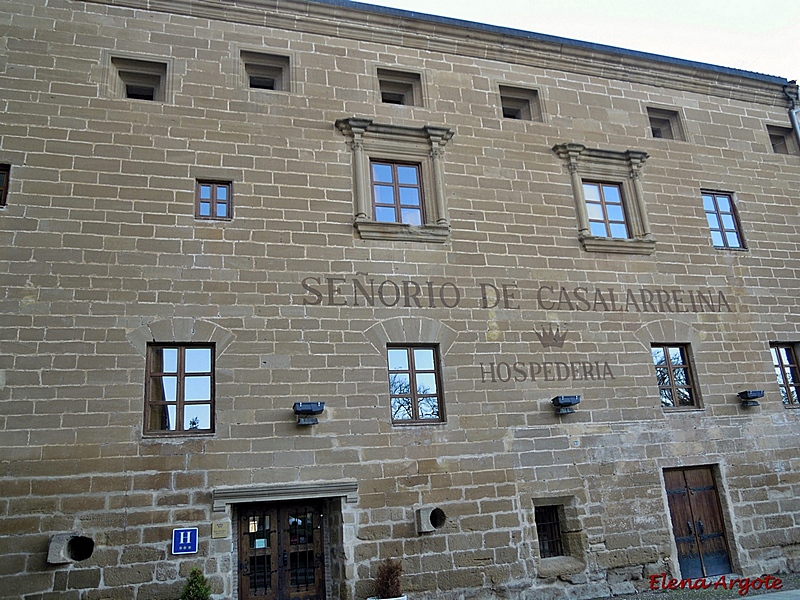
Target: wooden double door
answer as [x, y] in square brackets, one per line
[697, 522]
[281, 552]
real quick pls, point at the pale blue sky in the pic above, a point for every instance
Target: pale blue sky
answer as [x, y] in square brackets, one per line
[754, 35]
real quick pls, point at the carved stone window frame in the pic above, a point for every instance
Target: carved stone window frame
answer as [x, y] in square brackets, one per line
[617, 167]
[419, 145]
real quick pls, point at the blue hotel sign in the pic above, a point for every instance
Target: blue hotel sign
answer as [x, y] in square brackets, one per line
[184, 541]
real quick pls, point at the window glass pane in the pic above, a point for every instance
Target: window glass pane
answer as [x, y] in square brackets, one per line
[197, 416]
[595, 211]
[727, 222]
[423, 359]
[733, 240]
[791, 375]
[398, 359]
[197, 388]
[666, 398]
[382, 173]
[384, 194]
[684, 397]
[708, 203]
[222, 192]
[713, 221]
[385, 214]
[162, 418]
[409, 196]
[615, 213]
[205, 209]
[611, 194]
[222, 210]
[676, 356]
[598, 229]
[198, 360]
[591, 192]
[792, 396]
[724, 203]
[716, 239]
[681, 376]
[169, 359]
[428, 408]
[407, 175]
[618, 230]
[164, 389]
[411, 216]
[399, 383]
[658, 356]
[205, 192]
[426, 383]
[401, 409]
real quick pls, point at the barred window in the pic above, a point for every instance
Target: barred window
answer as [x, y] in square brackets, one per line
[548, 530]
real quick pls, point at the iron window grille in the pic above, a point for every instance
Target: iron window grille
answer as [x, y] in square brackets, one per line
[548, 530]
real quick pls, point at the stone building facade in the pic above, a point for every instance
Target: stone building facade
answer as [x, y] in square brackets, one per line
[292, 287]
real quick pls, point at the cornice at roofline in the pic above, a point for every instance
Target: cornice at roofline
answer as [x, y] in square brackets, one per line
[437, 34]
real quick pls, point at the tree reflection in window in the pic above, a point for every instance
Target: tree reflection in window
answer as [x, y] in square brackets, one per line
[674, 375]
[414, 384]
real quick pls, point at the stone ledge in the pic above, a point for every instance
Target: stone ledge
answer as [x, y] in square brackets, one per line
[559, 566]
[277, 492]
[371, 230]
[618, 246]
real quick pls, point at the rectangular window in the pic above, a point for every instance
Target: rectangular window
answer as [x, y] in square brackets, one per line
[722, 221]
[784, 359]
[397, 193]
[179, 393]
[397, 87]
[5, 176]
[266, 71]
[665, 124]
[605, 210]
[548, 530]
[213, 200]
[674, 374]
[609, 200]
[415, 384]
[520, 103]
[782, 139]
[140, 79]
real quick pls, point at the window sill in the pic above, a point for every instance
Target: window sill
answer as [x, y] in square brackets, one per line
[558, 566]
[618, 246]
[675, 409]
[372, 230]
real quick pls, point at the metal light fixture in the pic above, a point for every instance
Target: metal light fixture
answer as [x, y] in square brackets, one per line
[305, 412]
[564, 404]
[748, 397]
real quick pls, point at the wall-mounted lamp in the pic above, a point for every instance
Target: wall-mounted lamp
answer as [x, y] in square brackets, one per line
[564, 404]
[748, 397]
[305, 412]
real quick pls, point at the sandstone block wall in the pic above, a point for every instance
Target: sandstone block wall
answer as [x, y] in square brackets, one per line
[102, 253]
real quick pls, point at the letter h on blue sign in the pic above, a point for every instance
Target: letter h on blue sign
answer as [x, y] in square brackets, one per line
[184, 541]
